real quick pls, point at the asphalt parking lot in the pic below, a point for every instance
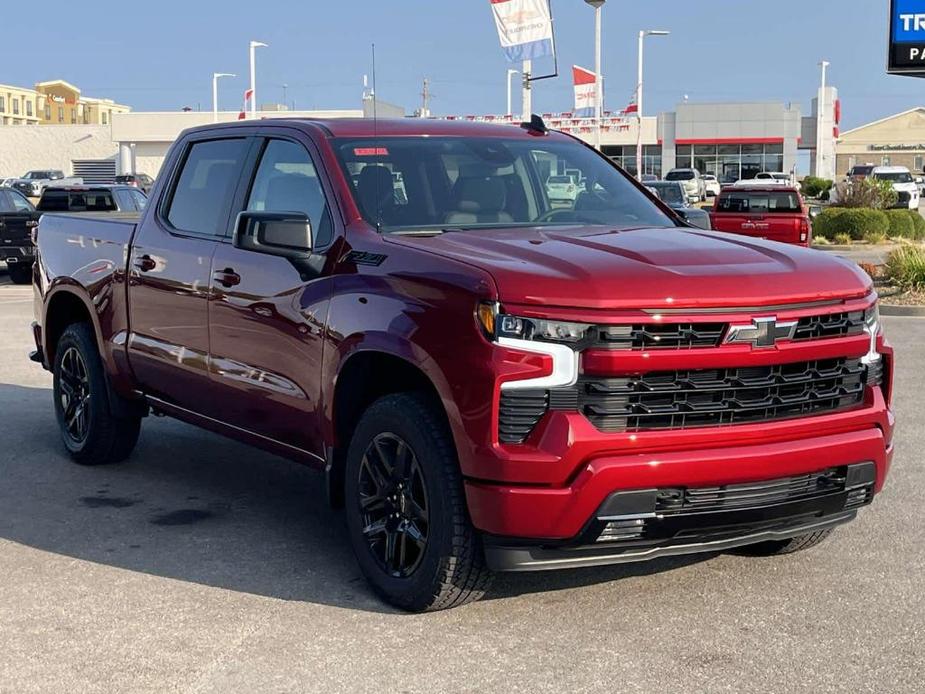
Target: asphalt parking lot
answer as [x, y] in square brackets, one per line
[204, 566]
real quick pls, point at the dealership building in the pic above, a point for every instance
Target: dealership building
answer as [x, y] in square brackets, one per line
[897, 140]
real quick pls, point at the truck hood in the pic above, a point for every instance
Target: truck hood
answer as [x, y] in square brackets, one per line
[651, 268]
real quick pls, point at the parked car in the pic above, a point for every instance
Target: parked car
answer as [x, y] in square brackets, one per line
[648, 178]
[562, 189]
[905, 187]
[33, 182]
[142, 181]
[672, 194]
[859, 172]
[487, 381]
[712, 185]
[17, 219]
[771, 178]
[102, 198]
[694, 185]
[770, 212]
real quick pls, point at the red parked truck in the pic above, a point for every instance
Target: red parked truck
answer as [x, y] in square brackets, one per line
[488, 381]
[770, 212]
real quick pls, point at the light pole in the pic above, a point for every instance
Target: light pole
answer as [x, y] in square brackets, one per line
[254, 45]
[598, 86]
[642, 35]
[215, 78]
[510, 73]
[820, 116]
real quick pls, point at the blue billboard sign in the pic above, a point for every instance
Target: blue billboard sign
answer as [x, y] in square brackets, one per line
[907, 38]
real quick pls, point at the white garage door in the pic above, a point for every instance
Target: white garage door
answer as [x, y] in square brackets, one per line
[95, 170]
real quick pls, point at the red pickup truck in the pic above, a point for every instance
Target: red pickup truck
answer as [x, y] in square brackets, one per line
[489, 382]
[769, 212]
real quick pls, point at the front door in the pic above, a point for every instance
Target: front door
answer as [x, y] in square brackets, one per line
[169, 273]
[266, 319]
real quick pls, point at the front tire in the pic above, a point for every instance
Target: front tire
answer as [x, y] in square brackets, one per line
[20, 273]
[794, 544]
[90, 431]
[406, 511]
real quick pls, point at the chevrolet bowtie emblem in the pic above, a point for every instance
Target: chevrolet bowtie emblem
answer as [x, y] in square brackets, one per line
[762, 332]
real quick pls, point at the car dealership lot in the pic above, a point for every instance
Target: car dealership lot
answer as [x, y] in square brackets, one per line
[204, 566]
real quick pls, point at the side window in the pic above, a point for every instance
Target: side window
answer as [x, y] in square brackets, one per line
[141, 201]
[287, 181]
[205, 185]
[125, 201]
[20, 204]
[5, 205]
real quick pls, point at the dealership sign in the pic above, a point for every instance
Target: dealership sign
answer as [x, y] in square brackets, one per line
[907, 38]
[524, 28]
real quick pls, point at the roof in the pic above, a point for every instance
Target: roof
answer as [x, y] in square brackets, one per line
[50, 83]
[762, 188]
[388, 127]
[920, 109]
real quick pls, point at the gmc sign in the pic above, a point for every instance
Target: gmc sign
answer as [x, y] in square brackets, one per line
[906, 54]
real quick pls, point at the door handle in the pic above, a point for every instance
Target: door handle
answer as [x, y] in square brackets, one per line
[145, 263]
[226, 277]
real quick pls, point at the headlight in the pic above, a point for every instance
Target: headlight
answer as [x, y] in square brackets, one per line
[872, 359]
[559, 340]
[501, 325]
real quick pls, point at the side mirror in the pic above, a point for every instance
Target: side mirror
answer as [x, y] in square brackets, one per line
[285, 234]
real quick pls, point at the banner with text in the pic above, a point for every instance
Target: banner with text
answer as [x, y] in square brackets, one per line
[524, 28]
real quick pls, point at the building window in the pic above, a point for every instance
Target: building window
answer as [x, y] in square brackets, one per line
[105, 118]
[29, 109]
[61, 114]
[47, 112]
[885, 160]
[73, 116]
[15, 106]
[919, 163]
[2, 104]
[86, 115]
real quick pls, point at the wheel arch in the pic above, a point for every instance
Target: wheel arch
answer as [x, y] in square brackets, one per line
[65, 306]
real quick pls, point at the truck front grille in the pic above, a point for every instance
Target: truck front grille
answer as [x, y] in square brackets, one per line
[716, 397]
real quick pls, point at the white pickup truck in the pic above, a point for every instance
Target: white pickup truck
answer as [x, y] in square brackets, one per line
[907, 190]
[33, 183]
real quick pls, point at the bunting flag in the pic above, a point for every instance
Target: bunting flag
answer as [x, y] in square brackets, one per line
[524, 28]
[248, 95]
[585, 91]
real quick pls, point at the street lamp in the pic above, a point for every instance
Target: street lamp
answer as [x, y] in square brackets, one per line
[254, 45]
[215, 78]
[598, 86]
[642, 34]
[510, 73]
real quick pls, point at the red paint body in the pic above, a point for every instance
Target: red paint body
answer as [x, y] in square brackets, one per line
[260, 361]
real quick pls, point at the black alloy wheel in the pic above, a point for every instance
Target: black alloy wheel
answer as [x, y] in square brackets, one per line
[74, 386]
[393, 505]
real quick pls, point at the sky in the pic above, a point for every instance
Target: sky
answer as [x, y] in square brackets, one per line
[160, 55]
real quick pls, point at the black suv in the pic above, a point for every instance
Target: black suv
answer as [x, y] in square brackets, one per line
[143, 182]
[17, 218]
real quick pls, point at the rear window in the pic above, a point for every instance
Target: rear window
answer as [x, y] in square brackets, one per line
[861, 171]
[679, 176]
[76, 201]
[125, 179]
[758, 202]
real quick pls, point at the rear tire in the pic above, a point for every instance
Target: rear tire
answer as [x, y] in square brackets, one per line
[20, 273]
[402, 481]
[794, 544]
[90, 431]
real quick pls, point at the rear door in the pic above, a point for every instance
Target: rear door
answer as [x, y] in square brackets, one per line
[170, 267]
[767, 214]
[17, 218]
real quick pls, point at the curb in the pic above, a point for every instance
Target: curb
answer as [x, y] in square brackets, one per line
[888, 310]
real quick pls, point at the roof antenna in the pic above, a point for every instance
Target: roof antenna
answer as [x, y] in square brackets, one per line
[535, 126]
[376, 149]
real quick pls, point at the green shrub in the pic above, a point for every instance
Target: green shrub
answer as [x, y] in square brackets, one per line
[813, 187]
[918, 225]
[875, 237]
[901, 225]
[825, 223]
[866, 192]
[842, 239]
[906, 266]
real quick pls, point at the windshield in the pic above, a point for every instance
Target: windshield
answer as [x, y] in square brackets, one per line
[35, 175]
[899, 177]
[681, 175]
[454, 182]
[758, 201]
[670, 193]
[861, 171]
